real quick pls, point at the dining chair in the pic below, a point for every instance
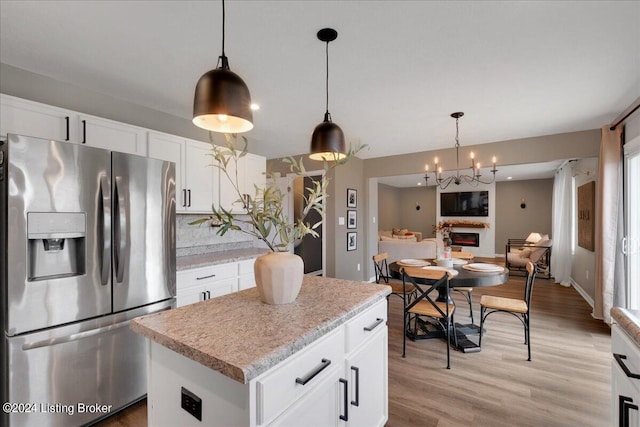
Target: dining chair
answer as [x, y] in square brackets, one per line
[520, 308]
[427, 284]
[381, 267]
[466, 292]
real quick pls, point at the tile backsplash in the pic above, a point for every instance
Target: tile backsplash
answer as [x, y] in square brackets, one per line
[199, 239]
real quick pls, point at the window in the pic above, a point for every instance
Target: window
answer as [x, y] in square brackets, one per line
[631, 243]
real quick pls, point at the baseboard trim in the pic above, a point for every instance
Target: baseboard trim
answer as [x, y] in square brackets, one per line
[582, 292]
[372, 279]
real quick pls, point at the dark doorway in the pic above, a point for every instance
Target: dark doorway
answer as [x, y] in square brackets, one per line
[310, 248]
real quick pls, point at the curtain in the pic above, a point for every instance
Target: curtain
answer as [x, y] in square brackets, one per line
[609, 271]
[561, 226]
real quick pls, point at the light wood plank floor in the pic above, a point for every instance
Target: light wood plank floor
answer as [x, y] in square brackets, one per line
[567, 383]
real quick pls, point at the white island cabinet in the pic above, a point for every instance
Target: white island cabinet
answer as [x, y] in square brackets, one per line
[234, 361]
[625, 368]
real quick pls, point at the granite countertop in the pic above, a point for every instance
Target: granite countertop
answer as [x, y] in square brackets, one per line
[213, 258]
[629, 321]
[241, 337]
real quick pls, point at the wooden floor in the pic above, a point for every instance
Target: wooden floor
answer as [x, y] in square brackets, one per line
[567, 383]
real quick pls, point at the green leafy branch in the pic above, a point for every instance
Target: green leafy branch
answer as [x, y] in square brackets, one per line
[264, 211]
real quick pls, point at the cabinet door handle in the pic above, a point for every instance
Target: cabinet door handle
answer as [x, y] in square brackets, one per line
[206, 277]
[345, 383]
[323, 365]
[204, 296]
[619, 358]
[208, 294]
[66, 119]
[624, 405]
[357, 401]
[374, 325]
[189, 193]
[184, 198]
[84, 131]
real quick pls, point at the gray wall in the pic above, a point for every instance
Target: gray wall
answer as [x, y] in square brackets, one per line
[515, 222]
[421, 220]
[584, 261]
[388, 211]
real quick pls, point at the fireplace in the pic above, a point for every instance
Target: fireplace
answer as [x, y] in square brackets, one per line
[465, 239]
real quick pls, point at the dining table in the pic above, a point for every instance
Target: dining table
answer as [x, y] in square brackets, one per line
[463, 278]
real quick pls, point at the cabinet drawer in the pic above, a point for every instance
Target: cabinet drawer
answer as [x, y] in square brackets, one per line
[222, 287]
[366, 324]
[623, 345]
[246, 266]
[198, 276]
[279, 389]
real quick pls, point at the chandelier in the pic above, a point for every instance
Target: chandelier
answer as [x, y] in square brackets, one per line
[472, 179]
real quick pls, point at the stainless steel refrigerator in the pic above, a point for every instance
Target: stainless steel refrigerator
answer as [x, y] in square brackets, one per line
[88, 243]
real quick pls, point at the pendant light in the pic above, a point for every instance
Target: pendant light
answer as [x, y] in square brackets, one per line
[327, 141]
[222, 102]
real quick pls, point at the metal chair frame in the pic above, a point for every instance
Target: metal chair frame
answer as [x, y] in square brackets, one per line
[469, 297]
[524, 318]
[446, 323]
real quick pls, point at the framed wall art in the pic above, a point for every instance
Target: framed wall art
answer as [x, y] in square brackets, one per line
[352, 241]
[352, 219]
[586, 215]
[352, 198]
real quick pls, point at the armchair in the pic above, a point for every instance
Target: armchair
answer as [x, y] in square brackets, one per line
[519, 252]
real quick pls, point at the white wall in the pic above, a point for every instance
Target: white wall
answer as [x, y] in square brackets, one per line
[487, 235]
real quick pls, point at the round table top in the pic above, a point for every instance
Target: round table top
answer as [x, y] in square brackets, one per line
[465, 278]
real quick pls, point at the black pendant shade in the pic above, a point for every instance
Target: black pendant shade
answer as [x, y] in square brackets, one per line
[327, 140]
[222, 102]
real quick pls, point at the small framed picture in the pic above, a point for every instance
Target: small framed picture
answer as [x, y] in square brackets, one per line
[352, 198]
[352, 219]
[352, 241]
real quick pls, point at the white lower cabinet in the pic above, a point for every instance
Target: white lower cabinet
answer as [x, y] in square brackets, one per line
[203, 283]
[199, 284]
[625, 386]
[368, 389]
[317, 386]
[319, 408]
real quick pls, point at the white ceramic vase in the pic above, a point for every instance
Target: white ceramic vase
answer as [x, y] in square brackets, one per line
[278, 277]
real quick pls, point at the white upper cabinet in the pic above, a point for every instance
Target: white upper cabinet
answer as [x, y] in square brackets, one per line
[170, 148]
[110, 135]
[200, 177]
[251, 172]
[30, 118]
[24, 117]
[195, 189]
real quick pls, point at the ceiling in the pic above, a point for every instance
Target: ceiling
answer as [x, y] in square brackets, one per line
[504, 173]
[397, 70]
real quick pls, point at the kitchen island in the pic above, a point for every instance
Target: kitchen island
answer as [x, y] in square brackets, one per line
[233, 360]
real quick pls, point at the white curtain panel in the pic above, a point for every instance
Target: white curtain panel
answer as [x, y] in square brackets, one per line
[561, 226]
[609, 291]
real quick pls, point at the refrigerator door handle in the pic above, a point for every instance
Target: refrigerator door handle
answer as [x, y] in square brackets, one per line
[81, 335]
[74, 337]
[120, 225]
[105, 219]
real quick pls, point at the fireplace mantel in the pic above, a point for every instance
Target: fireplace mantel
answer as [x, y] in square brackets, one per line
[463, 224]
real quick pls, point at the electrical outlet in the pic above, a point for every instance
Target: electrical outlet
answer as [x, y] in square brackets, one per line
[358, 266]
[191, 403]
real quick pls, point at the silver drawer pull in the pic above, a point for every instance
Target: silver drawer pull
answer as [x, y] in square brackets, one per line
[627, 372]
[316, 371]
[373, 325]
[206, 277]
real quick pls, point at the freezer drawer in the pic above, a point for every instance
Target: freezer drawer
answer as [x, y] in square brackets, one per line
[98, 362]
